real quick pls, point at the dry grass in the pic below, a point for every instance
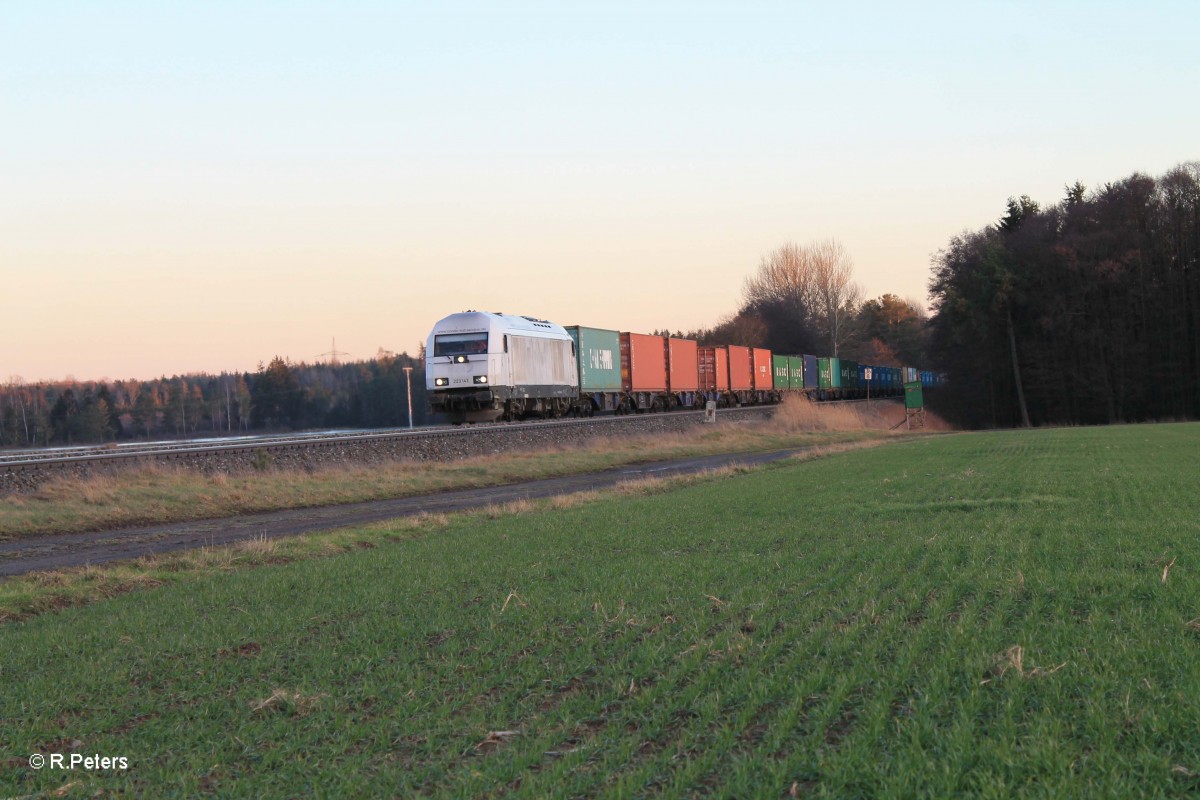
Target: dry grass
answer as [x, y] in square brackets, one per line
[511, 508]
[796, 414]
[1013, 659]
[291, 703]
[565, 501]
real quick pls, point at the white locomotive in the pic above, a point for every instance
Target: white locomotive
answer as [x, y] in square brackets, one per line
[482, 366]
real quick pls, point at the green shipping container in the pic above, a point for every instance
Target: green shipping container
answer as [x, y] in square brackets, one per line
[598, 352]
[830, 371]
[795, 372]
[779, 367]
[849, 374]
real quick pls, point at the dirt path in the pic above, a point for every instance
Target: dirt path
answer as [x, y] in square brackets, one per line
[73, 550]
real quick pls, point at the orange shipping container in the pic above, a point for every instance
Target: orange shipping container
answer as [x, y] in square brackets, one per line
[741, 376]
[714, 369]
[682, 367]
[643, 363]
[762, 369]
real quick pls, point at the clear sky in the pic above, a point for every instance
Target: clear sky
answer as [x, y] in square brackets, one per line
[202, 186]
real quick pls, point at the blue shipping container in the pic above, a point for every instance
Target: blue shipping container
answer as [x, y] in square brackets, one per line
[811, 377]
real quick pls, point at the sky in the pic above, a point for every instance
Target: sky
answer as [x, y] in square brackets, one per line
[194, 187]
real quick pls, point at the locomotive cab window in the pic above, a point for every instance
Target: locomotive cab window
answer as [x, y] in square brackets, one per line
[460, 344]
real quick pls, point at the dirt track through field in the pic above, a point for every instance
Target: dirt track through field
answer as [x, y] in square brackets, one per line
[73, 550]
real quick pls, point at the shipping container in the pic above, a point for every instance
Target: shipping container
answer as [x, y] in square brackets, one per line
[795, 372]
[643, 363]
[830, 373]
[682, 366]
[849, 374]
[781, 372]
[741, 376]
[812, 377]
[760, 361]
[714, 369]
[598, 352]
[910, 375]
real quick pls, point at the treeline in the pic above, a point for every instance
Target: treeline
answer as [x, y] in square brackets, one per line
[1084, 312]
[803, 299]
[279, 396]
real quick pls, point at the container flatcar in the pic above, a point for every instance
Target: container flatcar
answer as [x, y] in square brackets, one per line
[683, 372]
[598, 353]
[741, 374]
[714, 374]
[643, 371]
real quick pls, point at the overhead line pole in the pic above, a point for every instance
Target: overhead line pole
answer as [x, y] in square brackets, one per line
[408, 378]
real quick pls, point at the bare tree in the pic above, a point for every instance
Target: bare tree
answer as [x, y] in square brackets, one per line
[836, 294]
[785, 277]
[811, 282]
[918, 308]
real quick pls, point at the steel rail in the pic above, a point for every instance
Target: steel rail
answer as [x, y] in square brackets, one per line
[153, 448]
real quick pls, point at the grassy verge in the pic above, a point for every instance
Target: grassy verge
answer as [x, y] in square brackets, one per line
[35, 593]
[988, 615]
[165, 494]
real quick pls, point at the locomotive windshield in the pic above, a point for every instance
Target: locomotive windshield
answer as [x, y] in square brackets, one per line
[460, 344]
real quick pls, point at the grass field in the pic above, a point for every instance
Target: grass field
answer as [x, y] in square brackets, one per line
[994, 615]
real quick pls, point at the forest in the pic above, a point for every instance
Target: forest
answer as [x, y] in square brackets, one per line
[280, 395]
[1083, 312]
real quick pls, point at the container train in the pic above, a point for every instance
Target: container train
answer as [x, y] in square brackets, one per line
[484, 366]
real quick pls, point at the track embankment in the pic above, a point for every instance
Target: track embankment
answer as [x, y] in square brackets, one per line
[418, 445]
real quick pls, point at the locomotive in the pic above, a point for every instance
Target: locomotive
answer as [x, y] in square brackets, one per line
[482, 366]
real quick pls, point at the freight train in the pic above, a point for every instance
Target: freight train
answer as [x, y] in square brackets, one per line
[483, 366]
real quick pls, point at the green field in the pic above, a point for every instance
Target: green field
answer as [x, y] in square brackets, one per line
[999, 614]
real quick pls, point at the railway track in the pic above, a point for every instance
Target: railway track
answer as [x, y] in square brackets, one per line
[64, 457]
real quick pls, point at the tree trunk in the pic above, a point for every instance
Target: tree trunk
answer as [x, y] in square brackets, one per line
[1012, 344]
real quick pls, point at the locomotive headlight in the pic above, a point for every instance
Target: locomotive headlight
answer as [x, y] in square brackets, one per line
[460, 359]
[440, 381]
[481, 378]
